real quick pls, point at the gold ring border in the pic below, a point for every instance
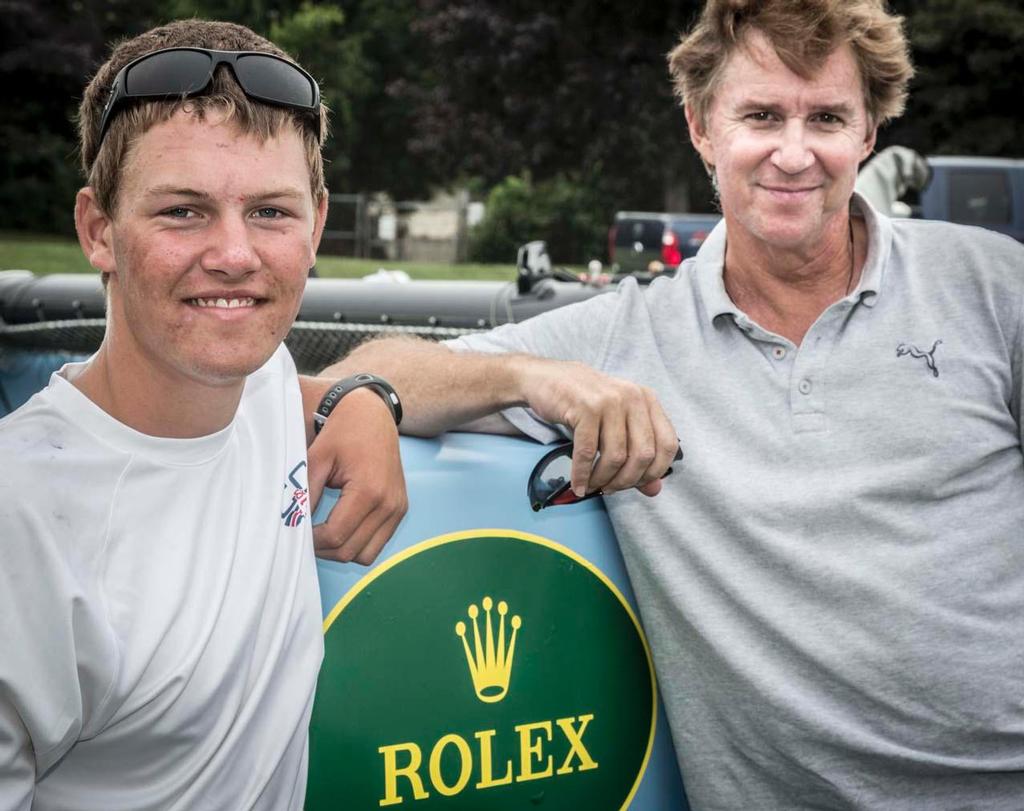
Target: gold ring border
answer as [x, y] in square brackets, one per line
[481, 534]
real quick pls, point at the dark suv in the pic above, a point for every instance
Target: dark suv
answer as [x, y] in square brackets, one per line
[977, 191]
[639, 238]
[973, 190]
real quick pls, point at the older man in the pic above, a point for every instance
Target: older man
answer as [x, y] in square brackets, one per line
[160, 631]
[833, 579]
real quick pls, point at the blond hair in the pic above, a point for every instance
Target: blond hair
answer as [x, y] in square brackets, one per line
[803, 34]
[102, 162]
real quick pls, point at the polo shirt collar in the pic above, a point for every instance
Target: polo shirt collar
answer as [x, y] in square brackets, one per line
[710, 261]
[879, 249]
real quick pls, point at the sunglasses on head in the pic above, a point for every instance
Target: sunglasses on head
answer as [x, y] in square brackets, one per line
[183, 72]
[549, 484]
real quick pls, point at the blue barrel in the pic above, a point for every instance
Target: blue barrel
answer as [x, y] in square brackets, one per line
[491, 658]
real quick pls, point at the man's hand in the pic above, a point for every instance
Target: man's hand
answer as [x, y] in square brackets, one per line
[357, 451]
[442, 389]
[620, 424]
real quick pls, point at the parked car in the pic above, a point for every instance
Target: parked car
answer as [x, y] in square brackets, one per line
[639, 238]
[988, 192]
[975, 191]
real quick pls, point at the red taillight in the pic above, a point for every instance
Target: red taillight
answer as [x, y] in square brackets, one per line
[611, 244]
[670, 253]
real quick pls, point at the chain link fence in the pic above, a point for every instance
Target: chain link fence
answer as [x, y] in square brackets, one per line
[314, 345]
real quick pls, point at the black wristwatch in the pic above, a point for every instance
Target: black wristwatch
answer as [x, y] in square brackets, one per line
[344, 386]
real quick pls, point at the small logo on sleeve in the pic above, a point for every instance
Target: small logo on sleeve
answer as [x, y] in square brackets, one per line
[914, 352]
[298, 509]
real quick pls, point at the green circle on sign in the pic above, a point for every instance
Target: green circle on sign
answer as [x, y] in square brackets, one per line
[489, 669]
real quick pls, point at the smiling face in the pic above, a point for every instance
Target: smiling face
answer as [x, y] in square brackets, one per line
[785, 149]
[208, 251]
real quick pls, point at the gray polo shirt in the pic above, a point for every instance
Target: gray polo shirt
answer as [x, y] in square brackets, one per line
[833, 579]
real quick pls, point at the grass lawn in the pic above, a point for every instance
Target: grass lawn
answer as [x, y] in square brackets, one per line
[41, 254]
[50, 254]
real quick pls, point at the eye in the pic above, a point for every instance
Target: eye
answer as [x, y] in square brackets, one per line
[829, 120]
[268, 213]
[762, 119]
[178, 213]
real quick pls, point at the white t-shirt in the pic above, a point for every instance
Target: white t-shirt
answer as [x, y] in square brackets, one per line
[159, 611]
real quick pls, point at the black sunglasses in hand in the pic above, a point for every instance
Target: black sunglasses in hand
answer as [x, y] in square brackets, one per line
[549, 484]
[183, 72]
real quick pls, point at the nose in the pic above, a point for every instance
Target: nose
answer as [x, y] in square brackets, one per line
[230, 250]
[792, 154]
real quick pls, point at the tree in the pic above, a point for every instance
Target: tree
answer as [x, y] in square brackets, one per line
[434, 92]
[359, 54]
[577, 87]
[52, 47]
[575, 93]
[561, 211]
[966, 97]
[316, 35]
[49, 49]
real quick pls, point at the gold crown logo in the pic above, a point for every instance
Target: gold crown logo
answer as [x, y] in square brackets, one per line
[490, 665]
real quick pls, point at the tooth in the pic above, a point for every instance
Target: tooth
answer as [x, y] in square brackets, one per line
[221, 302]
[233, 304]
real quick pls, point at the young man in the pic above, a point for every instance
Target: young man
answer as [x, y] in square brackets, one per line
[160, 630]
[832, 580]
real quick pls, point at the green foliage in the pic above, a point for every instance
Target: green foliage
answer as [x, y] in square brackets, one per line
[578, 89]
[39, 182]
[259, 15]
[427, 91]
[565, 213]
[316, 35]
[966, 97]
[381, 153]
[358, 51]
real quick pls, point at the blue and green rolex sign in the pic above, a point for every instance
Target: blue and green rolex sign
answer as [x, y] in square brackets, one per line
[482, 669]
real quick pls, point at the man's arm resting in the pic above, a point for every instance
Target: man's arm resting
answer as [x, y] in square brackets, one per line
[441, 389]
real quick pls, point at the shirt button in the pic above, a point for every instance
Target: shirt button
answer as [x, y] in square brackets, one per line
[779, 352]
[805, 386]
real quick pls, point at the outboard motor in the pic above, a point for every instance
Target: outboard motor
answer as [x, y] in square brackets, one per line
[532, 265]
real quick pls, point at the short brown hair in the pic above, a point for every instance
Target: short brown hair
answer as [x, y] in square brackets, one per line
[102, 163]
[803, 33]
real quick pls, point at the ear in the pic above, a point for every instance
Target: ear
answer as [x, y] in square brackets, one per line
[318, 228]
[699, 136]
[869, 141]
[95, 231]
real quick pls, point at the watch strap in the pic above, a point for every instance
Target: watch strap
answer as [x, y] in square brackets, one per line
[363, 380]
